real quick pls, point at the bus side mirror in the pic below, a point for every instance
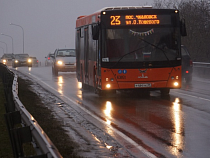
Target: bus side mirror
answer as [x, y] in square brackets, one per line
[183, 28]
[95, 32]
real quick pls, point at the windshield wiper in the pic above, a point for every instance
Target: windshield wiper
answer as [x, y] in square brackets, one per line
[163, 51]
[126, 55]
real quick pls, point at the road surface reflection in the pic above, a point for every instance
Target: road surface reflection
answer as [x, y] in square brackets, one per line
[107, 112]
[60, 84]
[177, 138]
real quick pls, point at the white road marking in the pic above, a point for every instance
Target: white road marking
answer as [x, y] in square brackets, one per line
[147, 153]
[192, 96]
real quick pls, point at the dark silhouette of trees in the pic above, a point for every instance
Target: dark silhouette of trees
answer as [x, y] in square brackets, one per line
[197, 17]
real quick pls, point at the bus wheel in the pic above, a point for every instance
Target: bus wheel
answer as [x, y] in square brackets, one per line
[165, 91]
[101, 93]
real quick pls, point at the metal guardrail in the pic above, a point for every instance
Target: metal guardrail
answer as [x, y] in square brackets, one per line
[201, 69]
[16, 113]
[201, 64]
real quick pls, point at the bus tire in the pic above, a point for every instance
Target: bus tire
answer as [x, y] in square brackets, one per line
[101, 93]
[165, 91]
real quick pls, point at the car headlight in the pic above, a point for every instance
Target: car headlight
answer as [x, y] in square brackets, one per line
[16, 61]
[29, 60]
[4, 61]
[59, 62]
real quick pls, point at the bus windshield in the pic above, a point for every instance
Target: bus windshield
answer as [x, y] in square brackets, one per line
[141, 44]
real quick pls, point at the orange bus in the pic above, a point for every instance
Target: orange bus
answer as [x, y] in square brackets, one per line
[129, 48]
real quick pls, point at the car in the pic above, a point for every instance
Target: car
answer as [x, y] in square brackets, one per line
[64, 60]
[21, 60]
[7, 59]
[35, 62]
[49, 59]
[187, 65]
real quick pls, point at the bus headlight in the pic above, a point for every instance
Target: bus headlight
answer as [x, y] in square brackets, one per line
[176, 84]
[108, 85]
[59, 62]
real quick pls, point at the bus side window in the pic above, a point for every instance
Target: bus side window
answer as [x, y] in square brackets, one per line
[95, 32]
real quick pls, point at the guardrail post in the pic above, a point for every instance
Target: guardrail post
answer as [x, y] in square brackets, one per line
[9, 105]
[12, 119]
[7, 81]
[21, 135]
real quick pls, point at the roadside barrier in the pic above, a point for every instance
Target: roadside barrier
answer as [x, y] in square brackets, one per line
[201, 69]
[22, 127]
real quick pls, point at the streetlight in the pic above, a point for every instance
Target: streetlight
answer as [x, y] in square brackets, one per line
[23, 33]
[12, 42]
[5, 44]
[2, 49]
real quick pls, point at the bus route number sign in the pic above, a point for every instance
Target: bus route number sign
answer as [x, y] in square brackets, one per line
[117, 20]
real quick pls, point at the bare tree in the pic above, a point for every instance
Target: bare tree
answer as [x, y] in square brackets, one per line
[197, 16]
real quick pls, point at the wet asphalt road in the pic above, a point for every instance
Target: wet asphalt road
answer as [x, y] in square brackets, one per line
[173, 126]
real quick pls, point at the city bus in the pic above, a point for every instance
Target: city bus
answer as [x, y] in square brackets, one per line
[129, 48]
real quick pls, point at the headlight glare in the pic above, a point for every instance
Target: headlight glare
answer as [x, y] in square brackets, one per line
[29, 60]
[59, 62]
[176, 84]
[108, 86]
[16, 61]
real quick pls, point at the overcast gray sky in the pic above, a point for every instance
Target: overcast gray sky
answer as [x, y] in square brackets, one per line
[47, 24]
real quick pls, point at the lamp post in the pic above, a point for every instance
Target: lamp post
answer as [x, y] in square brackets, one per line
[12, 42]
[23, 33]
[2, 49]
[5, 44]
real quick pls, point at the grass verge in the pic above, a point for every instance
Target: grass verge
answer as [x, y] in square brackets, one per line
[44, 117]
[5, 145]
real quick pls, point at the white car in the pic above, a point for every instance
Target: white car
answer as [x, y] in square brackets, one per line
[64, 60]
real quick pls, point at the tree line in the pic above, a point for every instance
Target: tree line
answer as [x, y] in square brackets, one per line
[197, 18]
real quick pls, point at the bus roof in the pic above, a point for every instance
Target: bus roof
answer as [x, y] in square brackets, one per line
[124, 7]
[87, 19]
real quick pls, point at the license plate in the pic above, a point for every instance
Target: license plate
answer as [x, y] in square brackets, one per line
[68, 67]
[143, 85]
